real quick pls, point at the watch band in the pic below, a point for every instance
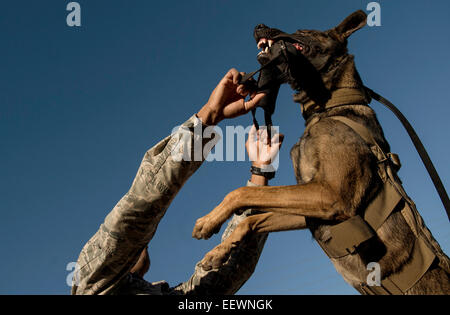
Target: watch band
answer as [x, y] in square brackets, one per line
[268, 173]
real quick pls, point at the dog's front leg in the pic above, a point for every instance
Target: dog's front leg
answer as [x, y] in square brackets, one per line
[311, 200]
[259, 223]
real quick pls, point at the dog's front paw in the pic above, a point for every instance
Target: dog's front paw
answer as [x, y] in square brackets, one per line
[205, 227]
[216, 257]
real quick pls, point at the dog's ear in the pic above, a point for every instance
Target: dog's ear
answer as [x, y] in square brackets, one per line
[351, 24]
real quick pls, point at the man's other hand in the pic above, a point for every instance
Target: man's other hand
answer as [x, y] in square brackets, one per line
[261, 151]
[228, 100]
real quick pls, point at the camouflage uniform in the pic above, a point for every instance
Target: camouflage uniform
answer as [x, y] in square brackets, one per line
[106, 260]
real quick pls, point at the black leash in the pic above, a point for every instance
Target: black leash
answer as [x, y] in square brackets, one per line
[419, 147]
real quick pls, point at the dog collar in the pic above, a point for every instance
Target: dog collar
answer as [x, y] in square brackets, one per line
[339, 97]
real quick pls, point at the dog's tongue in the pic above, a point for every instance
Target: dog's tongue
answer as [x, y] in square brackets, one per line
[297, 46]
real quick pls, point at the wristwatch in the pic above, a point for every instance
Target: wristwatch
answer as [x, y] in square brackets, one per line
[268, 172]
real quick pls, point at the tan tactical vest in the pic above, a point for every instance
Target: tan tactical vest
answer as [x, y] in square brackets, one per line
[348, 235]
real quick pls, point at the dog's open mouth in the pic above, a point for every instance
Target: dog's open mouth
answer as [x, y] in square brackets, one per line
[265, 44]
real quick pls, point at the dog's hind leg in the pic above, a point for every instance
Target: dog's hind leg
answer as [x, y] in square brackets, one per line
[259, 223]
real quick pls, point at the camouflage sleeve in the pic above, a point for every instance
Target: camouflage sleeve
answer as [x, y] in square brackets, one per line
[231, 276]
[114, 249]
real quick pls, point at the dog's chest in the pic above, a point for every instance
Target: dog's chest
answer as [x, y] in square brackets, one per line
[304, 160]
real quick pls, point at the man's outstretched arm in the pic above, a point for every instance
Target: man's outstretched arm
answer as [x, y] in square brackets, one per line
[112, 252]
[128, 228]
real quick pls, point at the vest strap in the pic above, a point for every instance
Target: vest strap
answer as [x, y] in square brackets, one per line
[345, 237]
[400, 282]
[382, 206]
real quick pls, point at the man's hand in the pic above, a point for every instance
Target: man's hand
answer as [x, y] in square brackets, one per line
[260, 151]
[228, 100]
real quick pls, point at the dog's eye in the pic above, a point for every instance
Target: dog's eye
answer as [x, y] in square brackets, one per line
[318, 49]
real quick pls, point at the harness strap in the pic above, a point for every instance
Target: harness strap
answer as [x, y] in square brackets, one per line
[400, 282]
[366, 135]
[344, 238]
[421, 259]
[382, 206]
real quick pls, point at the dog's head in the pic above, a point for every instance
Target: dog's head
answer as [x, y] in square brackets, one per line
[318, 54]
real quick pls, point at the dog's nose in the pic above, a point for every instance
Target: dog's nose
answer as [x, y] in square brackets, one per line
[260, 26]
[261, 31]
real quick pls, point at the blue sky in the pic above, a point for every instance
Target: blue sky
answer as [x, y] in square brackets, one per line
[80, 106]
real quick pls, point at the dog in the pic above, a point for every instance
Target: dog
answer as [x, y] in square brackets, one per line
[339, 177]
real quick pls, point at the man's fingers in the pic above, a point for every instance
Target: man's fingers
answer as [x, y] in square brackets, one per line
[263, 136]
[251, 143]
[252, 135]
[242, 91]
[277, 139]
[234, 75]
[249, 105]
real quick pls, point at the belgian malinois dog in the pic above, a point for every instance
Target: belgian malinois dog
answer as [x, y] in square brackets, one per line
[337, 172]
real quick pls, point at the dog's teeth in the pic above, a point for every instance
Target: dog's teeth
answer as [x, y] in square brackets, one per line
[270, 43]
[261, 42]
[267, 49]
